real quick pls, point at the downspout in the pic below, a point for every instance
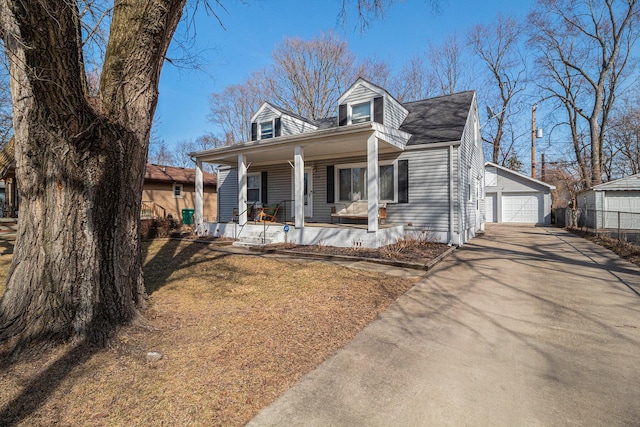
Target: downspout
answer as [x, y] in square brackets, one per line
[451, 201]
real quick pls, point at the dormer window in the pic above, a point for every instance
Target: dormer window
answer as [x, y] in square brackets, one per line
[361, 113]
[266, 130]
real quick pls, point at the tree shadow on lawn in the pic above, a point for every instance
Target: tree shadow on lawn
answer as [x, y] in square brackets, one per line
[172, 256]
[40, 388]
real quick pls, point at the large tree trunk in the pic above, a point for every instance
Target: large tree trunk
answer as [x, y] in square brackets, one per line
[76, 272]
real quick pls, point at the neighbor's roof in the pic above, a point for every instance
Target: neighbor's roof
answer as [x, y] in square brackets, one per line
[159, 173]
[629, 183]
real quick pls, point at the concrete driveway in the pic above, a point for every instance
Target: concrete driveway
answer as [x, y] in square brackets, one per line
[525, 326]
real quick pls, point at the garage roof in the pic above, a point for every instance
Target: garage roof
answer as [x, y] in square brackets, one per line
[518, 174]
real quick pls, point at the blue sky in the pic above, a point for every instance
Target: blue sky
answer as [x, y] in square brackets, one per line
[255, 28]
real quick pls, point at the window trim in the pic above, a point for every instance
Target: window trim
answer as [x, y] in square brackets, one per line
[338, 167]
[175, 186]
[259, 188]
[273, 129]
[259, 175]
[355, 104]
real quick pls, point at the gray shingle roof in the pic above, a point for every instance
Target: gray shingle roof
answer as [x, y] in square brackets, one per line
[437, 119]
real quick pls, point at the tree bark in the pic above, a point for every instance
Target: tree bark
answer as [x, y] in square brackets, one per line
[76, 272]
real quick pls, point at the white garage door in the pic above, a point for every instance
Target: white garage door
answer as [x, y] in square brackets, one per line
[490, 208]
[522, 208]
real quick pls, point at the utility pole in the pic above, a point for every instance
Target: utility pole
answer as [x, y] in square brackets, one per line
[533, 140]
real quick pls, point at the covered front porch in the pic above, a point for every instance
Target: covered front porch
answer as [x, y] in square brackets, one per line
[306, 157]
[340, 235]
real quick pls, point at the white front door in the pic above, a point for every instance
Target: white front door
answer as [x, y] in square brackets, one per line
[308, 192]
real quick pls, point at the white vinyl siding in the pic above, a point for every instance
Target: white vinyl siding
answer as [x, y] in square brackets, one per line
[227, 193]
[293, 127]
[491, 176]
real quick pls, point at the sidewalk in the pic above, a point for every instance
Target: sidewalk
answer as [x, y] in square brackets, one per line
[525, 326]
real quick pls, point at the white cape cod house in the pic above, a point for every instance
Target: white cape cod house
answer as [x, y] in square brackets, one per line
[377, 172]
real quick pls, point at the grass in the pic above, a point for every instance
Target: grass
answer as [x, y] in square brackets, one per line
[235, 332]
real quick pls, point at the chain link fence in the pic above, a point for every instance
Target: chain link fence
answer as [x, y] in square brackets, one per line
[615, 224]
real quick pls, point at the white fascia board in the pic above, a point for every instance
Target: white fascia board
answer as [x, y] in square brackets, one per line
[433, 145]
[301, 122]
[551, 187]
[264, 106]
[394, 137]
[282, 140]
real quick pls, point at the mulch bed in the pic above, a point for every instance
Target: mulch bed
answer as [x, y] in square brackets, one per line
[420, 252]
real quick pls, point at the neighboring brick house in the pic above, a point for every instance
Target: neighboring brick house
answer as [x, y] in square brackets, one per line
[168, 189]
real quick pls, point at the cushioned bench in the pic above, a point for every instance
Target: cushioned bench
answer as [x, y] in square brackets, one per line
[355, 210]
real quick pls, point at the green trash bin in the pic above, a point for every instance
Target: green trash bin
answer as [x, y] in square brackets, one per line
[187, 216]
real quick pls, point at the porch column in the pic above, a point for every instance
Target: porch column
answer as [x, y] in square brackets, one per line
[298, 192]
[373, 190]
[242, 189]
[199, 208]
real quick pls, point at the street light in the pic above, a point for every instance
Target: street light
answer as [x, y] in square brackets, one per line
[535, 133]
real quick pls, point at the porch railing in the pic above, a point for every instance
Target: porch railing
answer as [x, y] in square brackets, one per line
[152, 210]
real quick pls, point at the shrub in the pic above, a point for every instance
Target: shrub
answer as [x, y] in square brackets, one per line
[157, 227]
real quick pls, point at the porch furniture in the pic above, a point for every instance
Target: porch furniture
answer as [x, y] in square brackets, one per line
[252, 211]
[356, 211]
[268, 213]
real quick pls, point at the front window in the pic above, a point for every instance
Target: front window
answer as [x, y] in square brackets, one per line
[266, 130]
[361, 113]
[253, 188]
[353, 183]
[387, 182]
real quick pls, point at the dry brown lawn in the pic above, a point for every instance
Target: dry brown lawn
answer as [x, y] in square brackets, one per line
[235, 332]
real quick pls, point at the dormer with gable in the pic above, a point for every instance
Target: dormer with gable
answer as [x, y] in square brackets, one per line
[271, 122]
[366, 102]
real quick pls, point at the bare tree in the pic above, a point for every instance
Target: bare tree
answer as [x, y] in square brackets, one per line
[309, 75]
[160, 154]
[232, 108]
[306, 78]
[497, 46]
[183, 149]
[449, 65]
[622, 141]
[414, 81]
[589, 42]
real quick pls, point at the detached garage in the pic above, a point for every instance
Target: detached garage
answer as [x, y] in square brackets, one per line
[514, 197]
[612, 204]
